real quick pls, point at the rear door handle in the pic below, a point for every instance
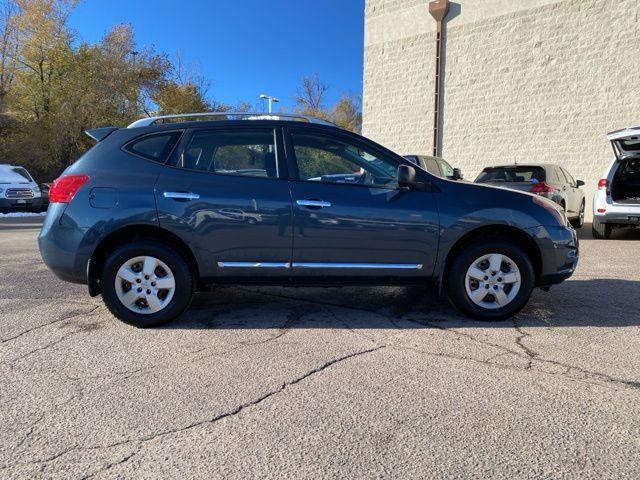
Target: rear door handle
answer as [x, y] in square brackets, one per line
[313, 203]
[181, 195]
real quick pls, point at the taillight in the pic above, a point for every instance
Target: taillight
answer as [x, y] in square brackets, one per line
[541, 187]
[64, 188]
[603, 183]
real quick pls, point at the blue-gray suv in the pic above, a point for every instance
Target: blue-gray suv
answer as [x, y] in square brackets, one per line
[176, 204]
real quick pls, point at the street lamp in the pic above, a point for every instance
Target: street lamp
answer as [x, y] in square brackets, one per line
[270, 99]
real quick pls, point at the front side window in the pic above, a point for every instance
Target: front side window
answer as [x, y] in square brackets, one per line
[324, 159]
[154, 147]
[570, 179]
[243, 152]
[447, 170]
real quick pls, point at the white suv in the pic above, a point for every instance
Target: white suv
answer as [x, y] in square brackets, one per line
[18, 190]
[617, 200]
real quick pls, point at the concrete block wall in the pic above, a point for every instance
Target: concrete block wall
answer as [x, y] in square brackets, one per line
[524, 80]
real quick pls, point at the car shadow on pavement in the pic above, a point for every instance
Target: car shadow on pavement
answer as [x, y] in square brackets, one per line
[575, 303]
[584, 233]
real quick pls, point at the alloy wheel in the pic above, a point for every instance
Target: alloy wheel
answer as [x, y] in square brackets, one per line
[492, 281]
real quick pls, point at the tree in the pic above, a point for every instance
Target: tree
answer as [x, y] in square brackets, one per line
[8, 49]
[310, 100]
[347, 113]
[310, 97]
[53, 88]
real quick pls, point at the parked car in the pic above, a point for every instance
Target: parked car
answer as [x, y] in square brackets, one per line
[18, 190]
[44, 192]
[143, 218]
[547, 180]
[617, 200]
[436, 165]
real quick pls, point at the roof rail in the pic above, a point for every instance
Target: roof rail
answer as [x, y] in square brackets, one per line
[146, 122]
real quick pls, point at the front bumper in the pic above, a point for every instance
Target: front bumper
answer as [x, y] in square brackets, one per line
[17, 204]
[559, 251]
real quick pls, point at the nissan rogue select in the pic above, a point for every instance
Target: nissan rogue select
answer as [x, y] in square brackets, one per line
[173, 205]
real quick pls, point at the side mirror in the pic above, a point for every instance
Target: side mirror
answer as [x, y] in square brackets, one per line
[579, 183]
[457, 174]
[407, 177]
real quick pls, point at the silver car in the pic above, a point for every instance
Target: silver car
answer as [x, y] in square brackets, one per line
[547, 180]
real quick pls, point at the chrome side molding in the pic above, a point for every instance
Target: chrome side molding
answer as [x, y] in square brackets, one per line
[254, 265]
[382, 266]
[313, 203]
[181, 195]
[385, 266]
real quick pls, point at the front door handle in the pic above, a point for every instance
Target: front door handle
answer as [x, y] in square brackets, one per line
[313, 203]
[181, 195]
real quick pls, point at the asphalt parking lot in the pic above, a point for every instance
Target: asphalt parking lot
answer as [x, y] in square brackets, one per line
[321, 383]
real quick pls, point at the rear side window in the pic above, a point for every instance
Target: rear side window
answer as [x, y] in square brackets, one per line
[154, 147]
[250, 153]
[512, 174]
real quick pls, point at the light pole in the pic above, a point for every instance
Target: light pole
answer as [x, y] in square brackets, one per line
[270, 99]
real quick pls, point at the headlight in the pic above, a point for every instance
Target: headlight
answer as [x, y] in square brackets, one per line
[36, 189]
[553, 208]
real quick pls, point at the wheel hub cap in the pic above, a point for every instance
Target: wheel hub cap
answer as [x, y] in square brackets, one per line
[492, 281]
[145, 284]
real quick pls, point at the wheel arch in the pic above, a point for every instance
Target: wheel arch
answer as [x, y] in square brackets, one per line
[132, 233]
[505, 232]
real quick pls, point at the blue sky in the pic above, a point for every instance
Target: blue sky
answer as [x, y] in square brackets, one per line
[244, 47]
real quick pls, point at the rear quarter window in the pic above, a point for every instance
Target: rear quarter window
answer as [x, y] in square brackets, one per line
[155, 146]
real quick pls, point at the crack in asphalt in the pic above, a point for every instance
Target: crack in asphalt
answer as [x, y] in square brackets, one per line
[523, 351]
[519, 342]
[30, 431]
[231, 413]
[58, 320]
[533, 357]
[12, 362]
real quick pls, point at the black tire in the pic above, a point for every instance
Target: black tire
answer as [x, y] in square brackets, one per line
[456, 277]
[184, 283]
[579, 222]
[601, 231]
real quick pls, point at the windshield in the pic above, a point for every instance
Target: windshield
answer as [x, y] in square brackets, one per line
[512, 174]
[14, 175]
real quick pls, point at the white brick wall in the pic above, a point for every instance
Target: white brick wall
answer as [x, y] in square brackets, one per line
[541, 84]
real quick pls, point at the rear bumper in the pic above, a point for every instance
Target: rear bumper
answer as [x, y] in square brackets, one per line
[15, 204]
[59, 243]
[619, 218]
[560, 253]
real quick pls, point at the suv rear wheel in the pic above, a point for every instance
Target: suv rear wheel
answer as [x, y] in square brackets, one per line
[146, 284]
[491, 279]
[601, 231]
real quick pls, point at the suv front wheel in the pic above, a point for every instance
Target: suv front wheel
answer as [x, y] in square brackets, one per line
[146, 283]
[491, 279]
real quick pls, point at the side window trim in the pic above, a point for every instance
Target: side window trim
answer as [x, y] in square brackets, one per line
[292, 162]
